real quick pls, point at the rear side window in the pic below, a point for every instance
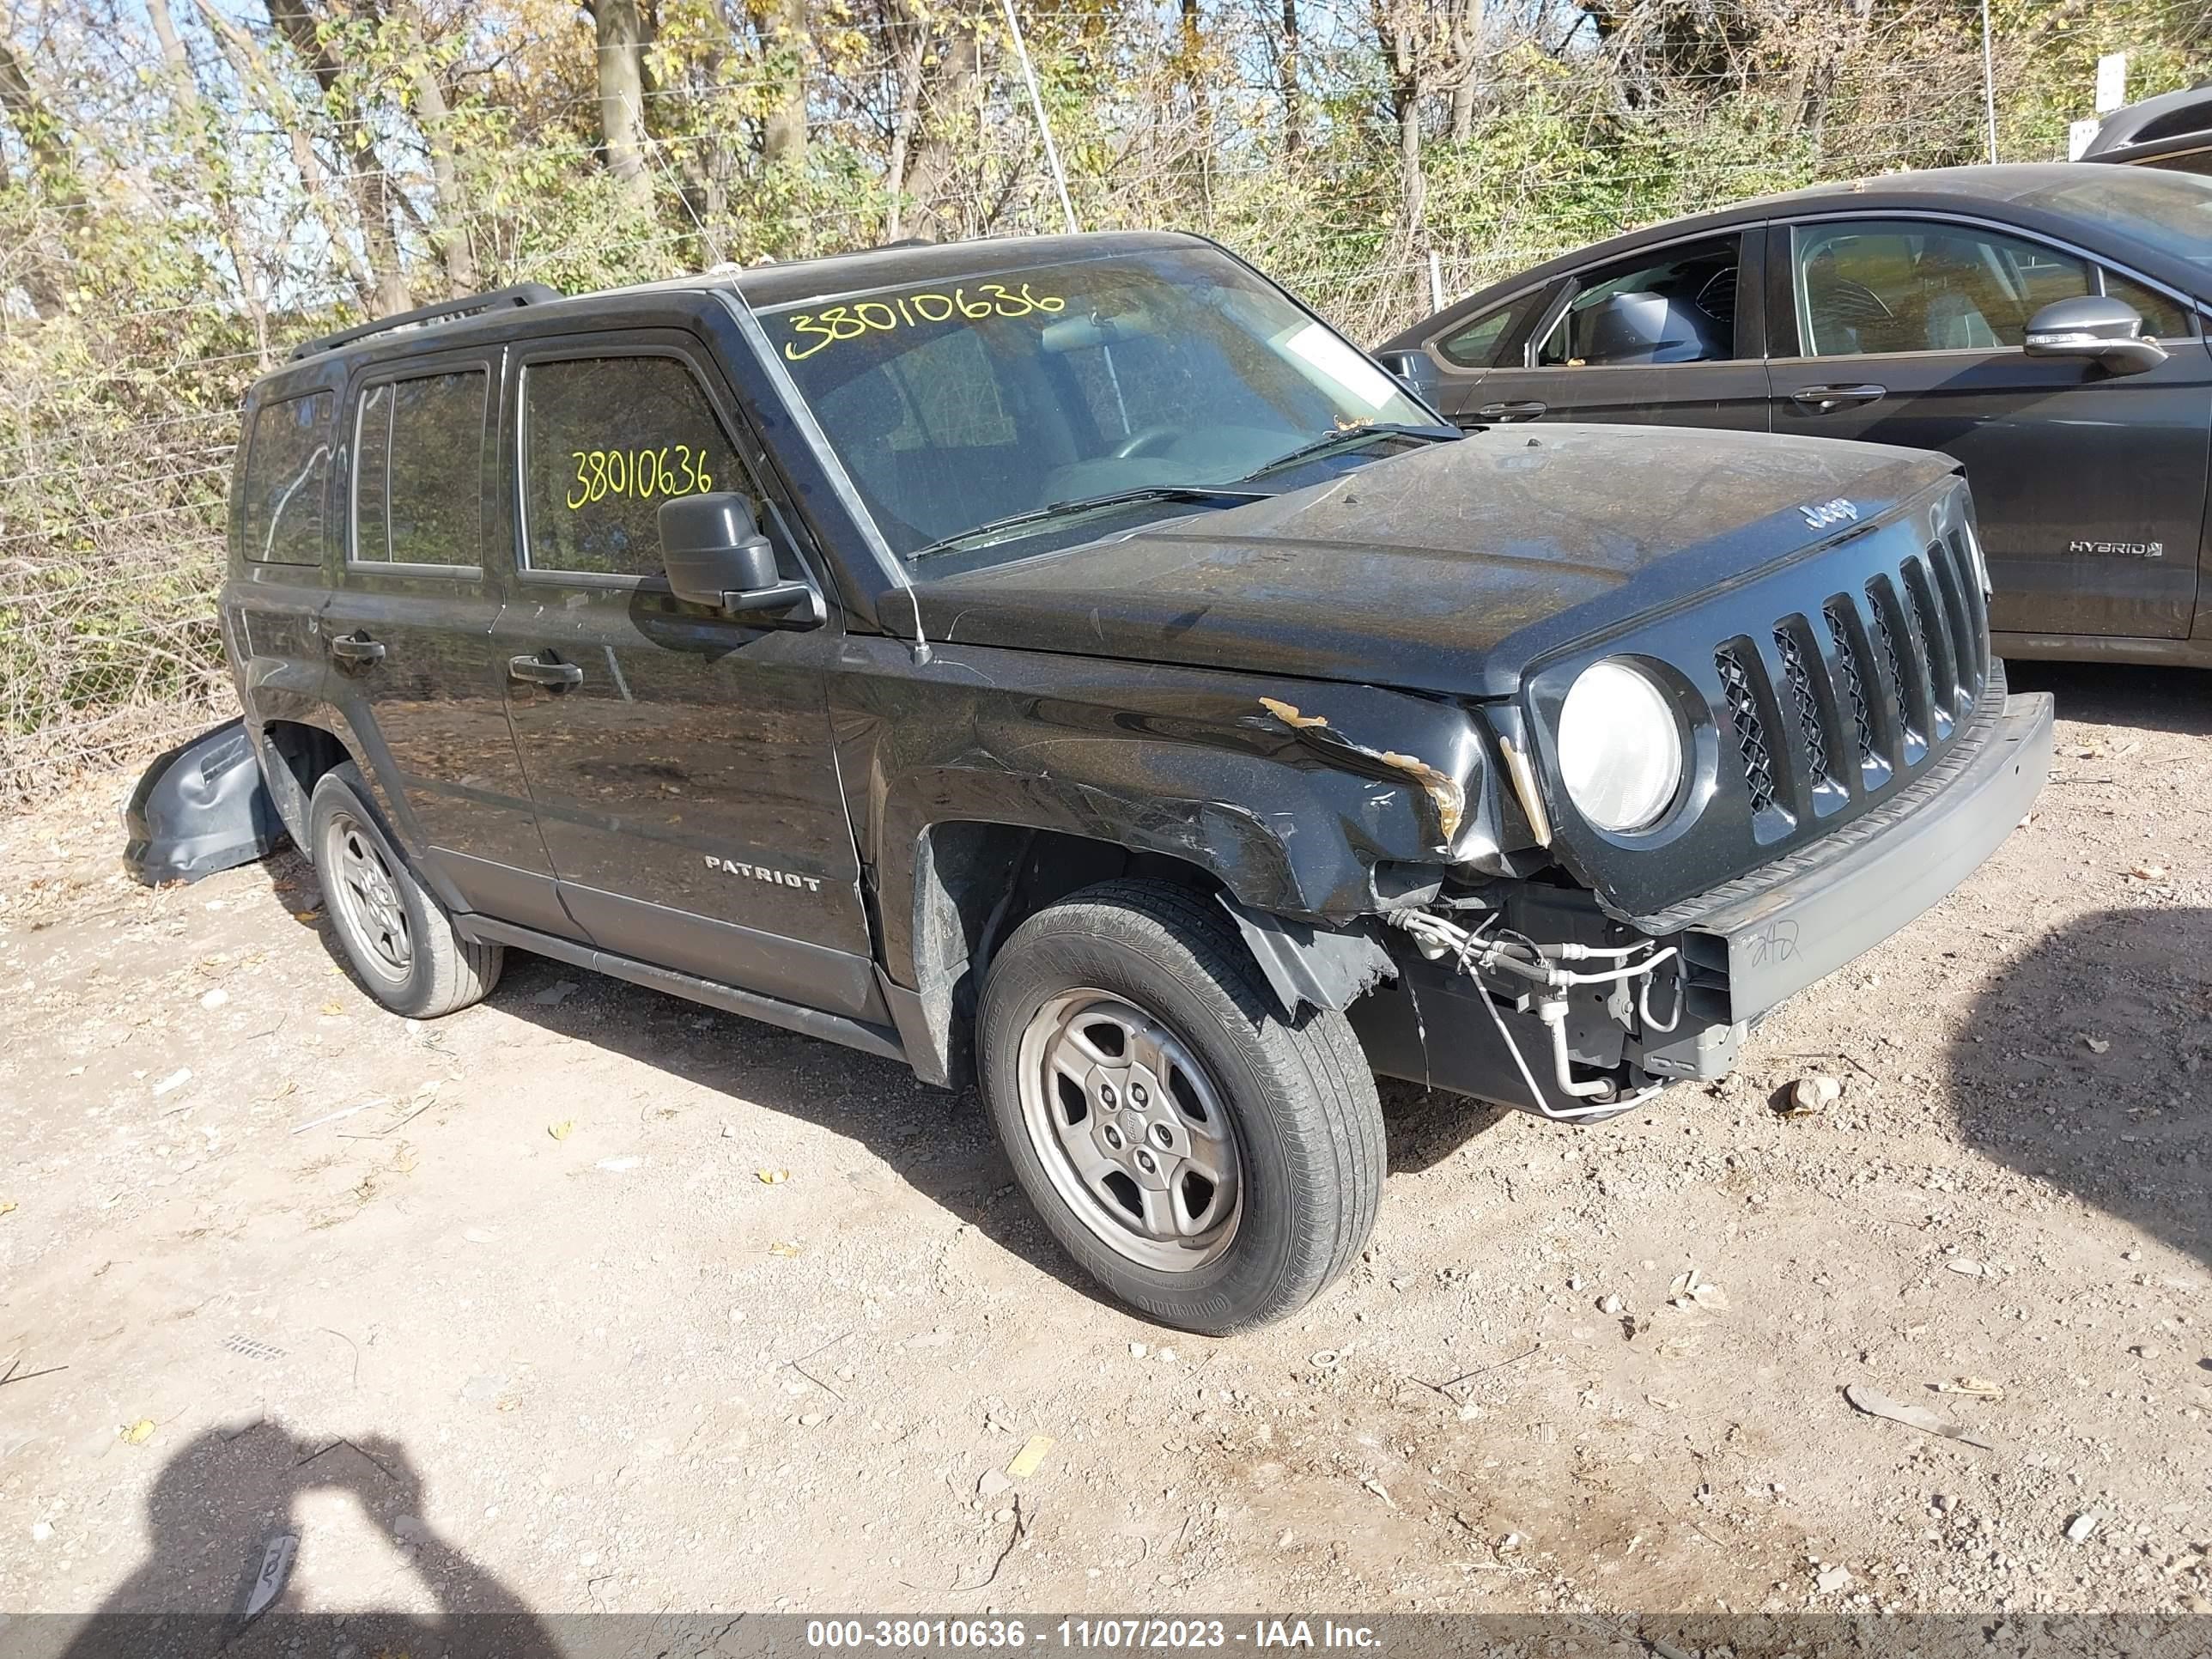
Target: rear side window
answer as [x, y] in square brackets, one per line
[605, 442]
[418, 472]
[287, 464]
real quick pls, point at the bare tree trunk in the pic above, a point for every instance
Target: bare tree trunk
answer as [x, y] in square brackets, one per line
[1294, 123]
[45, 274]
[1463, 109]
[451, 235]
[784, 135]
[907, 72]
[622, 99]
[957, 69]
[371, 187]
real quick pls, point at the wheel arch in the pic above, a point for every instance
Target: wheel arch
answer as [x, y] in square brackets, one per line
[975, 880]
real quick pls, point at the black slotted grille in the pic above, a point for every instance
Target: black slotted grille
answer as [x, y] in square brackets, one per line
[1888, 618]
[1821, 728]
[1847, 653]
[1750, 730]
[1819, 765]
[1931, 644]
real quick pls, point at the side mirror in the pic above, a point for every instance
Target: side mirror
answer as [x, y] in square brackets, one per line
[1414, 370]
[715, 554]
[2093, 326]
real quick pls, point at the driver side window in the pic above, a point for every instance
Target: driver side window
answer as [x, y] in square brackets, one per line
[1675, 304]
[1871, 288]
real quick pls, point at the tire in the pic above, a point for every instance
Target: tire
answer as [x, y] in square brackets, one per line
[1282, 1114]
[398, 938]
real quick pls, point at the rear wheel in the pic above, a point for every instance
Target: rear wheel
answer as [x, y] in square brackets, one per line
[400, 938]
[1209, 1161]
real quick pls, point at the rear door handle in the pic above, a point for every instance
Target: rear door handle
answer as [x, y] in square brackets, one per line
[537, 671]
[1525, 410]
[357, 649]
[1825, 399]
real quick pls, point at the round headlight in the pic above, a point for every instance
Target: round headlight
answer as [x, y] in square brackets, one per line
[1620, 747]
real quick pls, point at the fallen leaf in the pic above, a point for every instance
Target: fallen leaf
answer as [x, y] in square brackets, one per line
[780, 1248]
[7, 1207]
[771, 1177]
[334, 1008]
[562, 1130]
[307, 915]
[138, 1433]
[2148, 873]
[1030, 1457]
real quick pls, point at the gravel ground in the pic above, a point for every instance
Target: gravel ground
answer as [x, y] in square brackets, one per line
[502, 1310]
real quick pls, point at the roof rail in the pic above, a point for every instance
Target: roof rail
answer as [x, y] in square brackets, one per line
[522, 294]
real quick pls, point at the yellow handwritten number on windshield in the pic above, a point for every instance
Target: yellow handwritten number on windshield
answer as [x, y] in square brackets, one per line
[639, 473]
[834, 324]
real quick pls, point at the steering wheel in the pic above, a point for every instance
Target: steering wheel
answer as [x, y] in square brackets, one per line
[1146, 441]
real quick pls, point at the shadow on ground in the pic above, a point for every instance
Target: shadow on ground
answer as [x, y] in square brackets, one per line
[2115, 694]
[215, 1510]
[2088, 1063]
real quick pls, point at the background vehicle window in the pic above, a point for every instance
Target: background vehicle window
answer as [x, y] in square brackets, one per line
[2163, 318]
[1907, 285]
[1674, 306]
[1474, 344]
[606, 440]
[418, 471]
[288, 462]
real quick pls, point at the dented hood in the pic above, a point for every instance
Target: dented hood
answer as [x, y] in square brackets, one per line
[1445, 568]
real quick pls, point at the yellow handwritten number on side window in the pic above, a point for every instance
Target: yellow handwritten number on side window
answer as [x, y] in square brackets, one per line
[639, 474]
[835, 324]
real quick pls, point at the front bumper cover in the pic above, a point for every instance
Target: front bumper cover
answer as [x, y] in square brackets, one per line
[1772, 944]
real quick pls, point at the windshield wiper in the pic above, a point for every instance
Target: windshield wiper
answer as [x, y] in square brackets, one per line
[1226, 494]
[1346, 437]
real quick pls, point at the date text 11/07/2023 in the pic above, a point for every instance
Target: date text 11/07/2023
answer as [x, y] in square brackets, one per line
[1084, 1635]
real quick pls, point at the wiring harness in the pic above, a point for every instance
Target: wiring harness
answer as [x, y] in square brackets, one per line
[1488, 948]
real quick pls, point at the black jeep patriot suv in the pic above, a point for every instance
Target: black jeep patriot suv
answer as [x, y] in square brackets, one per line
[1068, 662]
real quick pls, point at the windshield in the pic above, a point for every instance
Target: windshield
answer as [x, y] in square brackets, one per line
[956, 405]
[2169, 212]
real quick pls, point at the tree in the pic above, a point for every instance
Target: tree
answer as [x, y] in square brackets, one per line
[621, 42]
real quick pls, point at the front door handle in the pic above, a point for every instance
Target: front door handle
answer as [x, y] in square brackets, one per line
[1526, 409]
[358, 650]
[537, 671]
[1826, 399]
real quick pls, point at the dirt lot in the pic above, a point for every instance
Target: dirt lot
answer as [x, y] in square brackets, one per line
[500, 1310]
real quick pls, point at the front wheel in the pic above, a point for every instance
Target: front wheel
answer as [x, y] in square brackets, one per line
[1209, 1161]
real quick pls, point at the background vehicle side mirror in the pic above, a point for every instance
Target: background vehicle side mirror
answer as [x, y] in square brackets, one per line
[1415, 372]
[713, 554]
[2093, 326]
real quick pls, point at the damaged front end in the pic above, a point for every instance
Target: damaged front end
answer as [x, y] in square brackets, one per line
[1848, 754]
